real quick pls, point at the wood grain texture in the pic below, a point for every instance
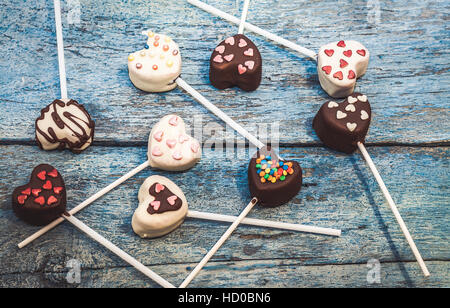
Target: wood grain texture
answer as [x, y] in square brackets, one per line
[407, 85]
[283, 274]
[338, 192]
[406, 81]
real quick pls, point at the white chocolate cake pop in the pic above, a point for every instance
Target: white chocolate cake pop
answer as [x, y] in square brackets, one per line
[155, 68]
[162, 208]
[170, 148]
[64, 124]
[339, 64]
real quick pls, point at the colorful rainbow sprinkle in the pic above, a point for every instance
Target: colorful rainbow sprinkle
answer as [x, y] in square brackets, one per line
[271, 170]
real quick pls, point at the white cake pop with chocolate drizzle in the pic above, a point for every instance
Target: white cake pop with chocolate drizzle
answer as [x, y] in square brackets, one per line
[155, 68]
[162, 207]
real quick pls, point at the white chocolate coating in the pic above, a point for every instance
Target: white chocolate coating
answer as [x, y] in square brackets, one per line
[170, 148]
[339, 64]
[64, 124]
[155, 225]
[154, 69]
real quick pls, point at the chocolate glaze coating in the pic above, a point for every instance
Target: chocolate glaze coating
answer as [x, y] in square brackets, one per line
[162, 197]
[26, 198]
[278, 193]
[341, 126]
[236, 61]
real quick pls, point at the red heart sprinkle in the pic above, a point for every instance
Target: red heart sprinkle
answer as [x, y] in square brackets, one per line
[329, 52]
[327, 69]
[40, 200]
[51, 200]
[36, 192]
[341, 44]
[351, 74]
[54, 173]
[241, 69]
[48, 185]
[26, 191]
[57, 190]
[41, 175]
[21, 199]
[347, 53]
[338, 75]
[343, 63]
[361, 52]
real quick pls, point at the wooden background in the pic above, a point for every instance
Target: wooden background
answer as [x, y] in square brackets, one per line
[407, 84]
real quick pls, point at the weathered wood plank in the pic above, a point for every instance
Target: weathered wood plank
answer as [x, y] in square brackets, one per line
[406, 81]
[339, 192]
[239, 274]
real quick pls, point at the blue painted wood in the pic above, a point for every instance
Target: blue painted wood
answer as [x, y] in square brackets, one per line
[338, 192]
[406, 81]
[406, 84]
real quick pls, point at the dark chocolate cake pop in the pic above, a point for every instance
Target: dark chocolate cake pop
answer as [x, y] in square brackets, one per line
[341, 126]
[274, 182]
[43, 199]
[236, 62]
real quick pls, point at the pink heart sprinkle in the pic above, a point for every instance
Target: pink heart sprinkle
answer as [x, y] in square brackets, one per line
[242, 69]
[156, 151]
[250, 64]
[159, 187]
[182, 139]
[220, 49]
[171, 143]
[155, 205]
[218, 59]
[173, 121]
[242, 43]
[194, 147]
[158, 135]
[177, 155]
[229, 57]
[230, 41]
[249, 52]
[172, 200]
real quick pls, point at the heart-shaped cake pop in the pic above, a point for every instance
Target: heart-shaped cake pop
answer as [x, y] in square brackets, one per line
[339, 64]
[341, 126]
[274, 182]
[236, 62]
[155, 68]
[162, 207]
[43, 199]
[64, 124]
[170, 148]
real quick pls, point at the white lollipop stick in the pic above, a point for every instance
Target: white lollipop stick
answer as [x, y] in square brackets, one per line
[119, 252]
[211, 107]
[394, 209]
[244, 16]
[85, 203]
[60, 44]
[212, 10]
[219, 243]
[264, 223]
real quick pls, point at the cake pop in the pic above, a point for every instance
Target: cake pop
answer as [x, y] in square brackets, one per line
[343, 127]
[339, 64]
[64, 124]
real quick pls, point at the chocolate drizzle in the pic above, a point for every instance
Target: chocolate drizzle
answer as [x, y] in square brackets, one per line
[63, 129]
[163, 199]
